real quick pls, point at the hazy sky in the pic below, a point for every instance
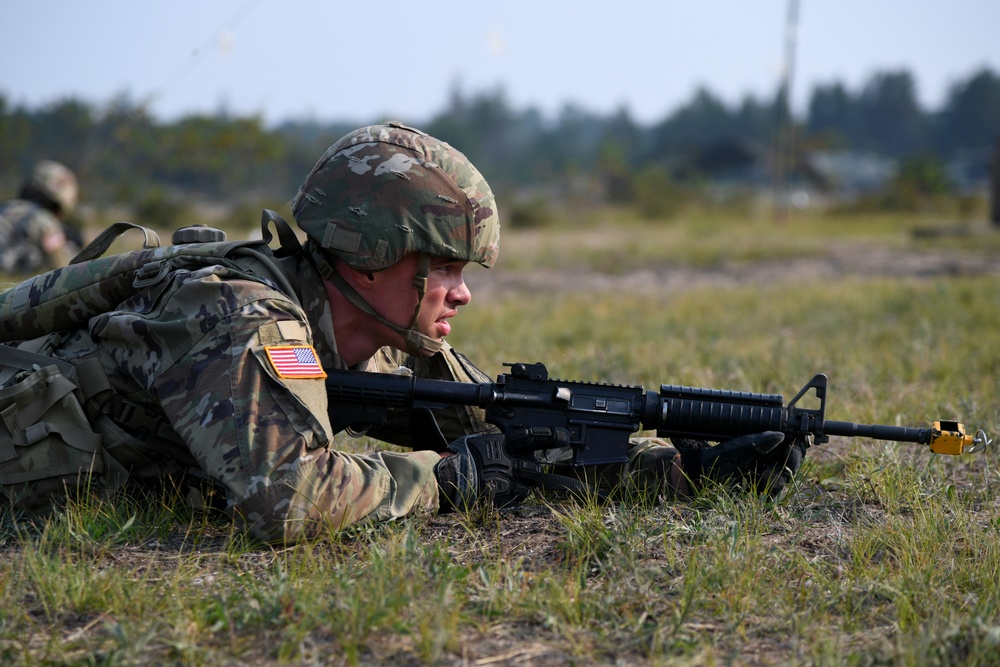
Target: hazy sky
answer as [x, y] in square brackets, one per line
[360, 61]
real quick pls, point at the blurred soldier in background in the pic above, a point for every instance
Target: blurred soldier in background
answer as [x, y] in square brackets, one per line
[35, 234]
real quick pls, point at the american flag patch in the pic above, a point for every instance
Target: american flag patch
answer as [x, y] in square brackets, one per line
[294, 361]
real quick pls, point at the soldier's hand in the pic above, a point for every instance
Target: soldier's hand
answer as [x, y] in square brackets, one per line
[760, 462]
[477, 467]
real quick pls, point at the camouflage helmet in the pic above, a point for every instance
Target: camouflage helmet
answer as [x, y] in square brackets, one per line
[386, 190]
[54, 182]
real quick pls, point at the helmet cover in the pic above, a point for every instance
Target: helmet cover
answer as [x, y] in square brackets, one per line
[55, 182]
[383, 191]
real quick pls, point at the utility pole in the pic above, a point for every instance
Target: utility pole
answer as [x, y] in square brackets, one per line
[784, 154]
[995, 185]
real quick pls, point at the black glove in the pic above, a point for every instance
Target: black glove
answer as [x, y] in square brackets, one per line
[760, 462]
[478, 467]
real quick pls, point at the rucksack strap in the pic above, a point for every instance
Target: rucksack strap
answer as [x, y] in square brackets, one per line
[139, 418]
[103, 241]
[29, 419]
[13, 359]
[26, 426]
[286, 236]
[88, 374]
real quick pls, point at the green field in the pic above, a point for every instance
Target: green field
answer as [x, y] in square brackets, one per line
[880, 553]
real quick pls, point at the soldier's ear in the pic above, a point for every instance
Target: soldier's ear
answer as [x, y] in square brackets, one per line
[357, 279]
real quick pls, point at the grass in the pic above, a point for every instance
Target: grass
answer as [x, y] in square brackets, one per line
[611, 243]
[879, 554]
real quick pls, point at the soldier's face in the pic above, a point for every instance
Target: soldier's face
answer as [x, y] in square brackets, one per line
[446, 291]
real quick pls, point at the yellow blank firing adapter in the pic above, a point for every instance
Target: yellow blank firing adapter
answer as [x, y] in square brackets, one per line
[949, 437]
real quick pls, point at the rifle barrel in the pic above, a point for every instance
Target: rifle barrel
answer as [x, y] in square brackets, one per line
[878, 432]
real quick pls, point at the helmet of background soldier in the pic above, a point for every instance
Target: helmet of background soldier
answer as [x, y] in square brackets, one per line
[386, 190]
[52, 185]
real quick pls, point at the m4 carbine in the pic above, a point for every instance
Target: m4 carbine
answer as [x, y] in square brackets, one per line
[595, 420]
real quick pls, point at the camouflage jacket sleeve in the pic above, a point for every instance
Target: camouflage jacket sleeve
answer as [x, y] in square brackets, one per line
[267, 439]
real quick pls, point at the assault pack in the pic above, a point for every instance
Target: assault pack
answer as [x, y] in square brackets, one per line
[54, 428]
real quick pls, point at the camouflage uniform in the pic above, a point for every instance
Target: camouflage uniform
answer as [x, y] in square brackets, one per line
[33, 236]
[32, 239]
[188, 354]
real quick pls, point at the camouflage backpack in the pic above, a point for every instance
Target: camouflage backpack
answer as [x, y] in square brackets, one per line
[48, 406]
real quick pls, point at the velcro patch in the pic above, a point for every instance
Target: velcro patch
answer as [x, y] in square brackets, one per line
[295, 362]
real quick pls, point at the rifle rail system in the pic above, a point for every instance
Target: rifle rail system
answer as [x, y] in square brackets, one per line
[535, 412]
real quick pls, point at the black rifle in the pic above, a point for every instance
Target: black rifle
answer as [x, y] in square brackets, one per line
[595, 420]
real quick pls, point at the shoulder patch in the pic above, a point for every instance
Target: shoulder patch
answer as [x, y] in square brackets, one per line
[293, 330]
[296, 362]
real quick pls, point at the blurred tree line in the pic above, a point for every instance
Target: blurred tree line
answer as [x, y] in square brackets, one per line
[123, 155]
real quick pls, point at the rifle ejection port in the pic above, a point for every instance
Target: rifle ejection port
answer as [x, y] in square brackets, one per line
[603, 404]
[563, 394]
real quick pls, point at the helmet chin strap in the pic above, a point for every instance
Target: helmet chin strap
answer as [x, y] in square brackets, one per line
[417, 344]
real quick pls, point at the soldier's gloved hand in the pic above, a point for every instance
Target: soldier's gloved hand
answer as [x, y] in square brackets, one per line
[760, 462]
[477, 467]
